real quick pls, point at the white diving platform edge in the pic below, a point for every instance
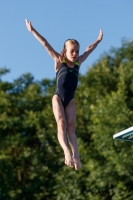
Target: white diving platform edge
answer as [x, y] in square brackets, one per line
[126, 135]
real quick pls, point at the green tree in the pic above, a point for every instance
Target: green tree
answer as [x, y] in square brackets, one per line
[31, 159]
[106, 95]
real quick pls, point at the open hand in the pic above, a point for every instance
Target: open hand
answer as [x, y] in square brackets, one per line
[28, 25]
[100, 35]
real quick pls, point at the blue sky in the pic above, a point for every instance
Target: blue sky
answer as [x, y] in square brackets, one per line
[57, 21]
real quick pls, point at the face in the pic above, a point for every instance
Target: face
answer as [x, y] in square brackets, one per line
[72, 51]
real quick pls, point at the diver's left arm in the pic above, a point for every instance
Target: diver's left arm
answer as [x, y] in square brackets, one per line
[90, 48]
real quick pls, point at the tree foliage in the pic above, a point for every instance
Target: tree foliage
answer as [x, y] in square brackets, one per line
[31, 160]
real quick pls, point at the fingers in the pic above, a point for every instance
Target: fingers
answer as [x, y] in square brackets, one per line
[27, 22]
[101, 32]
[100, 35]
[28, 25]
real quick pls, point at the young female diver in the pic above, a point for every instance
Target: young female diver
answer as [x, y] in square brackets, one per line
[67, 68]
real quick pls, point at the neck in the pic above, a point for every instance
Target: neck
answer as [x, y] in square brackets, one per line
[69, 63]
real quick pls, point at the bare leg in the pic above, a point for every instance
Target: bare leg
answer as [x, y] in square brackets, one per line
[70, 112]
[59, 114]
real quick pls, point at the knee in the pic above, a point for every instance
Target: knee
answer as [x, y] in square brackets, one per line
[71, 127]
[62, 125]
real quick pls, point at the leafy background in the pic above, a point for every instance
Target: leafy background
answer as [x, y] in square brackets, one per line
[31, 160]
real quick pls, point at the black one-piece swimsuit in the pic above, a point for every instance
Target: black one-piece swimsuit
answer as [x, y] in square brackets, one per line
[66, 82]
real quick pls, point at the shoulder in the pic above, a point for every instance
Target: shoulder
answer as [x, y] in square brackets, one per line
[79, 61]
[57, 63]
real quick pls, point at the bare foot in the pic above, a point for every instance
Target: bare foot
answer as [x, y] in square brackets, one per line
[77, 162]
[69, 159]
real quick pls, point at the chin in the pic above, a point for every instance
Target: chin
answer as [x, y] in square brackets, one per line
[73, 60]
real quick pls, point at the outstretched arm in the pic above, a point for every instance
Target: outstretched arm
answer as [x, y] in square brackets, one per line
[90, 48]
[43, 41]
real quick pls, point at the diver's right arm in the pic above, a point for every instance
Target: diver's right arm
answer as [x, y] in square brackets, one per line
[43, 41]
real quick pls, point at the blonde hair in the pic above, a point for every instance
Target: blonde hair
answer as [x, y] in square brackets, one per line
[72, 41]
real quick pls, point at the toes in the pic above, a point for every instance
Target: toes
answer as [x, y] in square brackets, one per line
[70, 163]
[77, 167]
[77, 163]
